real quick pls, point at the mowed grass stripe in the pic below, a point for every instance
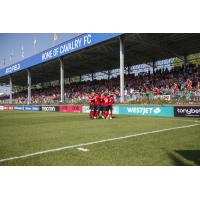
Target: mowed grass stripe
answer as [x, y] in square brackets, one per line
[95, 142]
[15, 139]
[26, 132]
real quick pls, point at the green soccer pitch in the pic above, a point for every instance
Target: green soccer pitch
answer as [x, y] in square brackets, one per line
[42, 138]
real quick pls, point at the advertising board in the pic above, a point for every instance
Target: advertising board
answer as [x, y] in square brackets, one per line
[50, 108]
[18, 108]
[85, 109]
[77, 109]
[8, 107]
[32, 108]
[164, 111]
[187, 111]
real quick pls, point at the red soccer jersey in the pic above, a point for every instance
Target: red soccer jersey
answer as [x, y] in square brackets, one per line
[101, 100]
[111, 100]
[188, 84]
[146, 89]
[105, 101]
[91, 99]
[156, 91]
[97, 100]
[176, 88]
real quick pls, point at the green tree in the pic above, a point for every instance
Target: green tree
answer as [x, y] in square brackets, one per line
[192, 59]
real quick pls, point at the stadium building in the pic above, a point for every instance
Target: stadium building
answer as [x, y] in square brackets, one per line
[97, 52]
[63, 134]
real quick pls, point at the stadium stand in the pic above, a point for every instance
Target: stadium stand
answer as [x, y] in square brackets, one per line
[178, 86]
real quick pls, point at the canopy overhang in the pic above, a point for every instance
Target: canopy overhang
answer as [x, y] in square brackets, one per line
[139, 48]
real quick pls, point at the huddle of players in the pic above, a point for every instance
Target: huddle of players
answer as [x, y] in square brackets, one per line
[101, 103]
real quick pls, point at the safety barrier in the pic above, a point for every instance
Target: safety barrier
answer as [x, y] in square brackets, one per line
[160, 111]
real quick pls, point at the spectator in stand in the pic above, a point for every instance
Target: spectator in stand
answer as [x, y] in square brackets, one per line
[177, 83]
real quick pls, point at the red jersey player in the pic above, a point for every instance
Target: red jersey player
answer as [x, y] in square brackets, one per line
[110, 103]
[156, 91]
[176, 88]
[188, 84]
[102, 105]
[92, 101]
[97, 102]
[147, 91]
[105, 104]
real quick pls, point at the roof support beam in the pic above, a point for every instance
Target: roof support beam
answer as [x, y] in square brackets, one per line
[109, 74]
[61, 80]
[129, 70]
[121, 52]
[29, 86]
[11, 88]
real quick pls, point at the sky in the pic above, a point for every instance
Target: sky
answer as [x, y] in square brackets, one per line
[15, 47]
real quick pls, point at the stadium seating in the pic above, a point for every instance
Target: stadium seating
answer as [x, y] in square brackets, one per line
[171, 85]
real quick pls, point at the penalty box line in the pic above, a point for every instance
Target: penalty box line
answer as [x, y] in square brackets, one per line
[91, 143]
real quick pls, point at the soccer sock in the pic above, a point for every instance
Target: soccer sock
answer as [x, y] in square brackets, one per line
[106, 114]
[97, 114]
[90, 113]
[110, 113]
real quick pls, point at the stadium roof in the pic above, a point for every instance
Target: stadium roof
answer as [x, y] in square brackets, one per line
[100, 51]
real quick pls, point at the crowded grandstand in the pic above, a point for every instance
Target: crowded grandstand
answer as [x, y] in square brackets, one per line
[176, 85]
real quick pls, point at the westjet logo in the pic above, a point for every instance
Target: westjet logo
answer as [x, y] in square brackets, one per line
[143, 110]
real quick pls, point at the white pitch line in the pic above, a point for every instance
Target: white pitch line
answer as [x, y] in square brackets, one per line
[91, 143]
[83, 149]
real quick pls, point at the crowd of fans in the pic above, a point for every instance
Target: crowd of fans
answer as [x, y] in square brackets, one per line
[180, 84]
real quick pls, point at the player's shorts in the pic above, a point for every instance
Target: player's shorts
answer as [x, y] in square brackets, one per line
[97, 108]
[106, 108]
[110, 107]
[91, 107]
[101, 108]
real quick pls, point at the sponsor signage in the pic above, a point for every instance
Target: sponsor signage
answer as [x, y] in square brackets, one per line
[50, 108]
[32, 108]
[1, 107]
[8, 107]
[187, 111]
[27, 108]
[164, 111]
[70, 46]
[115, 110]
[85, 109]
[18, 108]
[77, 109]
[35, 108]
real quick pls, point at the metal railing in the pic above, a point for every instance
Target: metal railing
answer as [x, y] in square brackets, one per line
[134, 98]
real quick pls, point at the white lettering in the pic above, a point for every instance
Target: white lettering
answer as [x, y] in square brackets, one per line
[47, 55]
[52, 109]
[87, 39]
[55, 52]
[13, 68]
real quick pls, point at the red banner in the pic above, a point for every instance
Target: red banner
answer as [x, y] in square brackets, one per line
[8, 107]
[77, 109]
